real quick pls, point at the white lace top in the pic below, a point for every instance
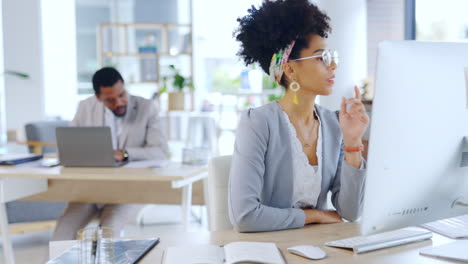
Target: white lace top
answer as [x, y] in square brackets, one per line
[307, 178]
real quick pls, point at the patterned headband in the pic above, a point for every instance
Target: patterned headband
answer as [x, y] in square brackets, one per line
[277, 61]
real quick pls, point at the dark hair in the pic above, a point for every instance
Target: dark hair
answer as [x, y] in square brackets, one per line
[105, 77]
[271, 27]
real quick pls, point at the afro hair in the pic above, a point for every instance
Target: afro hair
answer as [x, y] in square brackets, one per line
[271, 27]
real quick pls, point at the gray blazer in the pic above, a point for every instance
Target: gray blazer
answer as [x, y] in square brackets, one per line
[261, 180]
[142, 135]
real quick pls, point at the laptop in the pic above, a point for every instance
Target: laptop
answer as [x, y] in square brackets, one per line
[14, 159]
[86, 147]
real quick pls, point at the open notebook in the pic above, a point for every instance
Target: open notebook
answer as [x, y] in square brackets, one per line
[236, 252]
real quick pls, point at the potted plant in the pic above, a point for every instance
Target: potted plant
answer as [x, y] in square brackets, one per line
[180, 86]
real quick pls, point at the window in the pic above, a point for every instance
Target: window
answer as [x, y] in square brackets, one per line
[386, 21]
[441, 20]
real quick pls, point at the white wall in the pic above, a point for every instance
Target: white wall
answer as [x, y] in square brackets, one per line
[349, 37]
[2, 86]
[214, 23]
[59, 58]
[40, 40]
[23, 52]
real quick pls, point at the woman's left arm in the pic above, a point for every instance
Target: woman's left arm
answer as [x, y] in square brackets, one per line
[353, 123]
[348, 185]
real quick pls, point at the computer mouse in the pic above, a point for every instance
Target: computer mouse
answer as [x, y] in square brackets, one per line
[308, 251]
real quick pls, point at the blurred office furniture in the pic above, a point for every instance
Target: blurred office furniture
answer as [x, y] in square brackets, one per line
[145, 53]
[197, 133]
[232, 104]
[40, 136]
[197, 129]
[173, 184]
[12, 189]
[201, 133]
[218, 180]
[35, 216]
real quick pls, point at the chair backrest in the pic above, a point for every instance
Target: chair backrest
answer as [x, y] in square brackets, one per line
[218, 180]
[43, 131]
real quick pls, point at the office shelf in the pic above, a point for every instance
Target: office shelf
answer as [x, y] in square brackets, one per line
[143, 51]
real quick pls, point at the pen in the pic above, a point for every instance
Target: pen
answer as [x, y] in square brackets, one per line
[93, 251]
[98, 244]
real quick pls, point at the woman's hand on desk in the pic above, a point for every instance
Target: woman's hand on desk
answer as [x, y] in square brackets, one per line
[322, 216]
[119, 155]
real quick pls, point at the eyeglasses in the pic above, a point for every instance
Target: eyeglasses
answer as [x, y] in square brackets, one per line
[327, 57]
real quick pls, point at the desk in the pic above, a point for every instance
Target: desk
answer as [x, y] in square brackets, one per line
[314, 234]
[170, 185]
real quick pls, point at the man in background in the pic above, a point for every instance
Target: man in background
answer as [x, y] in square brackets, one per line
[136, 135]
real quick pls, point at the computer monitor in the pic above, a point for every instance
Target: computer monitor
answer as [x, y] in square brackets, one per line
[415, 172]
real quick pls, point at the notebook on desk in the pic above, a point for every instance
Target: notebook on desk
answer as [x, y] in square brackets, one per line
[14, 159]
[232, 253]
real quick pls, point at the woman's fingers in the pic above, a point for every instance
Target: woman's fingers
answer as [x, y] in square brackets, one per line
[357, 93]
[343, 105]
[357, 108]
[354, 111]
[352, 104]
[353, 101]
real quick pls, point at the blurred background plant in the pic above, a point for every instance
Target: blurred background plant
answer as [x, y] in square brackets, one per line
[164, 87]
[225, 80]
[179, 82]
[367, 88]
[269, 85]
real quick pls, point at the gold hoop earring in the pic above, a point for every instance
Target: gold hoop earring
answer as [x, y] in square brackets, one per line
[295, 86]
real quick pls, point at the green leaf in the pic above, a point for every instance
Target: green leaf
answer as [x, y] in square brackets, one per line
[179, 82]
[17, 74]
[163, 90]
[276, 97]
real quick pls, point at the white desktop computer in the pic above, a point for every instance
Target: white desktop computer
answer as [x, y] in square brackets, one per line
[419, 121]
[417, 168]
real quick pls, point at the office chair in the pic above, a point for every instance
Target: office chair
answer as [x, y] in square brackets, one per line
[40, 135]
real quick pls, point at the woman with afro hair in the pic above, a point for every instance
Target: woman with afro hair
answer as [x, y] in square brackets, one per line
[290, 153]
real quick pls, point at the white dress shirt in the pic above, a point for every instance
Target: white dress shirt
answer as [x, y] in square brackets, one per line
[115, 124]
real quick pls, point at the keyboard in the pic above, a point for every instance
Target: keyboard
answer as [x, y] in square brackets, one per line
[361, 244]
[456, 227]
